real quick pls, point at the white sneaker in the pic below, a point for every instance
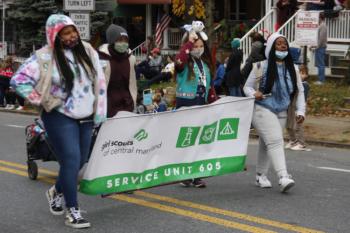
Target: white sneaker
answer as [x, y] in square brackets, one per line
[262, 181]
[10, 107]
[290, 144]
[300, 147]
[285, 183]
[318, 83]
[19, 108]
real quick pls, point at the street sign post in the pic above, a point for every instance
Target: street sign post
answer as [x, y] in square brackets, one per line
[306, 28]
[79, 5]
[82, 21]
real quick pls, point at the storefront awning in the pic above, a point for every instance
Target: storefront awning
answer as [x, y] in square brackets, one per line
[143, 1]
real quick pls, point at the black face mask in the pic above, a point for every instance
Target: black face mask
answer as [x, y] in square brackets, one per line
[70, 44]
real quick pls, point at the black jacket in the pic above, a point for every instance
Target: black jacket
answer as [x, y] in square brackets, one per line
[233, 77]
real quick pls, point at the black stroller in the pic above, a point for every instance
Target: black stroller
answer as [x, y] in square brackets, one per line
[38, 147]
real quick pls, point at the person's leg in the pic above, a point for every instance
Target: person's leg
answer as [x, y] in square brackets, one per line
[320, 63]
[269, 129]
[20, 100]
[2, 95]
[85, 130]
[10, 97]
[63, 133]
[235, 91]
[263, 161]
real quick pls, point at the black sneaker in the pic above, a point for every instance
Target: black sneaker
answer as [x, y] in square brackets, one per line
[198, 183]
[186, 183]
[55, 201]
[74, 218]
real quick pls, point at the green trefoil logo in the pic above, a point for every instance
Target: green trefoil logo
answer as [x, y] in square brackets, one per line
[141, 135]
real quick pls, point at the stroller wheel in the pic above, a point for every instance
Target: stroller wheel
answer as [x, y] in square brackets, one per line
[32, 170]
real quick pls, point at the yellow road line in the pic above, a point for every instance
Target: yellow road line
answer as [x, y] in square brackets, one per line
[228, 213]
[17, 165]
[210, 209]
[170, 209]
[23, 173]
[191, 214]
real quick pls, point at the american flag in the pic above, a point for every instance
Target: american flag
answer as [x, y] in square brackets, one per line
[163, 21]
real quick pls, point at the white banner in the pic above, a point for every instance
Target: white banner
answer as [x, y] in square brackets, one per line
[140, 151]
[306, 28]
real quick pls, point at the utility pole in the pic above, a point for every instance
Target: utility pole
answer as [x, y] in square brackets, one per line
[3, 48]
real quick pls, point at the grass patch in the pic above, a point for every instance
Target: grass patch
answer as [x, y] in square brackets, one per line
[325, 100]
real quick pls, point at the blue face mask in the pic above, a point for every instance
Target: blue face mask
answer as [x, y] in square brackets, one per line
[281, 54]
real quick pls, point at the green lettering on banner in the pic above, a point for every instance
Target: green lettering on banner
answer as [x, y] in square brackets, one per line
[187, 137]
[162, 175]
[228, 128]
[208, 134]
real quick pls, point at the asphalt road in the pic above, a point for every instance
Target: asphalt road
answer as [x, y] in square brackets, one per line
[320, 201]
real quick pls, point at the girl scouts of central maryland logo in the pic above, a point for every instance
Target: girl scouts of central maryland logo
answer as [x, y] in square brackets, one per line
[225, 129]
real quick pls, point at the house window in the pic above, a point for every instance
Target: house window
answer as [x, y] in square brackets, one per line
[238, 10]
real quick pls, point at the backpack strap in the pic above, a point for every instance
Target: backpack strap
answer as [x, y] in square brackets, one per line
[43, 86]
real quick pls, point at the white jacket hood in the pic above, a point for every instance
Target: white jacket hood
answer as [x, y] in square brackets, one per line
[270, 42]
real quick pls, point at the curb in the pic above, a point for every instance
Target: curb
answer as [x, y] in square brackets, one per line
[252, 135]
[314, 142]
[23, 112]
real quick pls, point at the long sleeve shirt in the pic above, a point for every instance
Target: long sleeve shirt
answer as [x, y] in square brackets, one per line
[80, 103]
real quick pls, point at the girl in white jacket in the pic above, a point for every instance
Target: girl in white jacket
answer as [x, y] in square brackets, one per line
[274, 83]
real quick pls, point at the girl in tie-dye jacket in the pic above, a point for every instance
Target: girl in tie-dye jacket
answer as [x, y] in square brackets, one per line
[65, 78]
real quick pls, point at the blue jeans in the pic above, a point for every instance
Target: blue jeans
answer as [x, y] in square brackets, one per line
[236, 91]
[70, 140]
[320, 62]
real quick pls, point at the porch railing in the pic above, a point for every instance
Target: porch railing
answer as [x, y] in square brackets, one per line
[288, 28]
[339, 27]
[137, 52]
[265, 25]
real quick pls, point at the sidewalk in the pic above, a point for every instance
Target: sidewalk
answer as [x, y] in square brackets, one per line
[325, 131]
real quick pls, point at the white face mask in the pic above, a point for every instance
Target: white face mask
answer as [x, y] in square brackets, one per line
[197, 53]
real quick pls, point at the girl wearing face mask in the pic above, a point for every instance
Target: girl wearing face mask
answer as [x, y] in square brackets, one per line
[66, 80]
[118, 64]
[276, 85]
[194, 71]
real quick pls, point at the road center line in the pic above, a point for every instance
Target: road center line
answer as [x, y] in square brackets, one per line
[164, 208]
[178, 202]
[334, 169]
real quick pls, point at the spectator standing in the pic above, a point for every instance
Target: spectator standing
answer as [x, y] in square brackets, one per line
[219, 77]
[65, 78]
[296, 131]
[256, 54]
[279, 89]
[285, 10]
[320, 51]
[6, 72]
[233, 78]
[194, 72]
[118, 64]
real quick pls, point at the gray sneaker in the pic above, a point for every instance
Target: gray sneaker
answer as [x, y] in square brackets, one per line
[55, 201]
